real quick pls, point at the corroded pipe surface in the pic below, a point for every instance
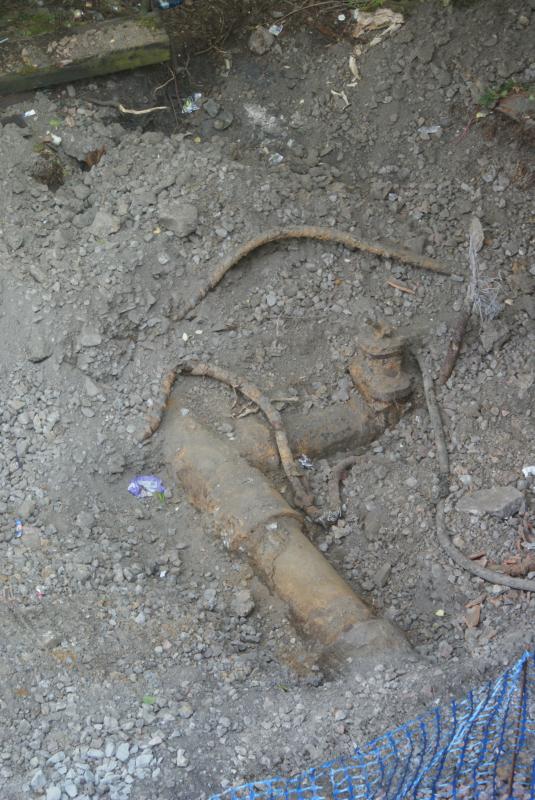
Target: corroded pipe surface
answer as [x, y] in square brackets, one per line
[254, 519]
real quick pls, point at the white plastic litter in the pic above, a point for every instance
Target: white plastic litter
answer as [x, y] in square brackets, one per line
[430, 129]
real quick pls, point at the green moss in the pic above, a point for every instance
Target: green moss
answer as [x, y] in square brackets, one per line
[28, 69]
[149, 21]
[26, 78]
[492, 94]
[24, 22]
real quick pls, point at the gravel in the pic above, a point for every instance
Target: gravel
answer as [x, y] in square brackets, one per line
[139, 659]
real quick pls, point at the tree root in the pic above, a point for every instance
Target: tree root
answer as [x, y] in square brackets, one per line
[276, 235]
[303, 499]
[334, 500]
[442, 535]
[154, 420]
[310, 232]
[522, 584]
[436, 424]
[454, 347]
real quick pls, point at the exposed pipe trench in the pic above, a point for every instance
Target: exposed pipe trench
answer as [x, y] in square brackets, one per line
[252, 518]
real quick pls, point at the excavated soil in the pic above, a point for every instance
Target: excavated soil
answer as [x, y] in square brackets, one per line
[140, 660]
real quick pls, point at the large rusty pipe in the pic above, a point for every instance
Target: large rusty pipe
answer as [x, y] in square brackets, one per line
[253, 518]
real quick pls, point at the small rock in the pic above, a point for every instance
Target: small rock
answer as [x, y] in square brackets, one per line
[90, 339]
[70, 789]
[85, 519]
[53, 793]
[91, 388]
[260, 41]
[209, 599]
[185, 710]
[445, 650]
[57, 758]
[527, 303]
[50, 640]
[372, 523]
[212, 108]
[180, 218]
[500, 501]
[123, 752]
[38, 782]
[39, 348]
[243, 603]
[181, 758]
[382, 575]
[426, 51]
[104, 224]
[26, 508]
[81, 191]
[224, 121]
[472, 616]
[116, 463]
[417, 244]
[144, 760]
[494, 334]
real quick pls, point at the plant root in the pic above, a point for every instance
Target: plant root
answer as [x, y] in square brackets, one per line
[522, 584]
[436, 424]
[443, 537]
[138, 112]
[303, 498]
[310, 232]
[154, 420]
[334, 499]
[454, 347]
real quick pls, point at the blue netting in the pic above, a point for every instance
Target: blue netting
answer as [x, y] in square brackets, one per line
[479, 748]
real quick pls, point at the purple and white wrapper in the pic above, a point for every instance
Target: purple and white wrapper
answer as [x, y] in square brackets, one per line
[145, 486]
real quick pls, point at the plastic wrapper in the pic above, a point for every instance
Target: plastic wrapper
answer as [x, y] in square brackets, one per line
[146, 486]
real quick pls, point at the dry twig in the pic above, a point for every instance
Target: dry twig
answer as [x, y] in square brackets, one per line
[401, 287]
[333, 3]
[119, 106]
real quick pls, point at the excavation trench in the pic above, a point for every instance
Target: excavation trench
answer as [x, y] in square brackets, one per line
[222, 478]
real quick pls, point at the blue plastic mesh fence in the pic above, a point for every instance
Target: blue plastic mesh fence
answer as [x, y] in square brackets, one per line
[481, 747]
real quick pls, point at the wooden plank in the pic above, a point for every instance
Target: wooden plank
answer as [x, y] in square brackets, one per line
[84, 52]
